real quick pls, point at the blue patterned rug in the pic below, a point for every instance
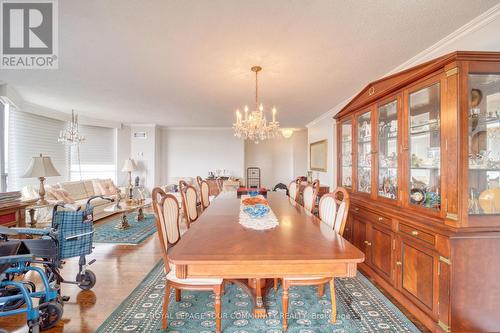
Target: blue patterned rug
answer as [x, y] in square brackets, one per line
[360, 308]
[105, 232]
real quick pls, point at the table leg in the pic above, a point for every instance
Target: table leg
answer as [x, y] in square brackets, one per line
[256, 289]
[140, 215]
[123, 224]
[32, 218]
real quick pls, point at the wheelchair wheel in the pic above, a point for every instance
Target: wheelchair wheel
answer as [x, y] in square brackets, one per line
[87, 280]
[50, 314]
[34, 326]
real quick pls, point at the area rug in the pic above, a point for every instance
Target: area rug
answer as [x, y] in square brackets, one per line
[360, 308]
[105, 232]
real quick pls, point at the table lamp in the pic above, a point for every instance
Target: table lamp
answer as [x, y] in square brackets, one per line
[129, 166]
[41, 167]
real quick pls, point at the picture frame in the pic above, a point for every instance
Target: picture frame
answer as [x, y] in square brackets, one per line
[318, 155]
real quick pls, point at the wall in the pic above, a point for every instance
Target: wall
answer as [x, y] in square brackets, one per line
[481, 34]
[122, 152]
[280, 159]
[191, 152]
[145, 152]
[325, 130]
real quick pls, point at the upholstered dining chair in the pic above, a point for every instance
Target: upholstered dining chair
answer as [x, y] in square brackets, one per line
[309, 197]
[166, 208]
[333, 211]
[189, 204]
[205, 194]
[293, 190]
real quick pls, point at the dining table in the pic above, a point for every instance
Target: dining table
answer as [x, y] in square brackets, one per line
[301, 245]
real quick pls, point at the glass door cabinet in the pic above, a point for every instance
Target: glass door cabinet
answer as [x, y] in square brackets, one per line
[346, 153]
[387, 124]
[419, 154]
[484, 144]
[424, 142]
[364, 153]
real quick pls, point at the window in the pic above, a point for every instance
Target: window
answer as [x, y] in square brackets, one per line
[95, 157]
[4, 120]
[31, 135]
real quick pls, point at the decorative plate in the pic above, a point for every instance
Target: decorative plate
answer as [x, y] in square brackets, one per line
[417, 196]
[256, 211]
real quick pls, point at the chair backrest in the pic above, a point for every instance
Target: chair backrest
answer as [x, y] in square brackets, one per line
[333, 209]
[166, 208]
[199, 180]
[182, 185]
[315, 183]
[205, 194]
[292, 190]
[309, 197]
[189, 203]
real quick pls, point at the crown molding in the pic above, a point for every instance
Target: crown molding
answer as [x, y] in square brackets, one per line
[476, 23]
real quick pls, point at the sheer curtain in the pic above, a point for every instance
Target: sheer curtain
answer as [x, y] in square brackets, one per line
[95, 157]
[31, 135]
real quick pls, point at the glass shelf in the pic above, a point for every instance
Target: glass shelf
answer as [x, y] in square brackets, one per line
[387, 123]
[364, 153]
[346, 153]
[425, 147]
[484, 144]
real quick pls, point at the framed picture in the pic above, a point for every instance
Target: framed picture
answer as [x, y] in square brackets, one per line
[318, 153]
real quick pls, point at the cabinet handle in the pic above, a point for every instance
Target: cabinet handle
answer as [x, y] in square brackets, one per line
[380, 218]
[368, 243]
[414, 232]
[399, 263]
[356, 209]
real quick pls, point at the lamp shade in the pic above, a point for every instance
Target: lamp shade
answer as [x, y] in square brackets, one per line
[129, 165]
[41, 166]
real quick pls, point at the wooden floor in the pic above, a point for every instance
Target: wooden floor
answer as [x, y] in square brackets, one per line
[119, 269]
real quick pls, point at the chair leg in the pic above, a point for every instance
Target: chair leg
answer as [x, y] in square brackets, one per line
[164, 313]
[334, 302]
[321, 290]
[223, 289]
[275, 284]
[178, 295]
[217, 291]
[284, 301]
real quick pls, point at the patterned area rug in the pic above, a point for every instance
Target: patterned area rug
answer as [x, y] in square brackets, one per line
[360, 308]
[137, 233]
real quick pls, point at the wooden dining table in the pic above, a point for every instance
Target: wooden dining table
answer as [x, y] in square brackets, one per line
[217, 245]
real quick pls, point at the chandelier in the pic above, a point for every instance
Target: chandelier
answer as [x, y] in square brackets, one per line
[71, 134]
[254, 125]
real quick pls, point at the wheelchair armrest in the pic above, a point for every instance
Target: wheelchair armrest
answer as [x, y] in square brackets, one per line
[32, 231]
[101, 197]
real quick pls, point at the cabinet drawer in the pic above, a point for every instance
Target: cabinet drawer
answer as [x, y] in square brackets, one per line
[417, 233]
[372, 217]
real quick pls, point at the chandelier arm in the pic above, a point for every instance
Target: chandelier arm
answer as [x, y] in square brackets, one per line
[256, 90]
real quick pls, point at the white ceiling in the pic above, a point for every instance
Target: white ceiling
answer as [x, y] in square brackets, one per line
[187, 63]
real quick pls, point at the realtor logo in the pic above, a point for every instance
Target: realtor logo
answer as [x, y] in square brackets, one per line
[29, 34]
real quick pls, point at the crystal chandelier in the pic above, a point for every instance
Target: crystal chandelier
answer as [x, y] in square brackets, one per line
[71, 134]
[254, 125]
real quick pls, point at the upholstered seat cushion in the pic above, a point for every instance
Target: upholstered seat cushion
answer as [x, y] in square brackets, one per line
[193, 281]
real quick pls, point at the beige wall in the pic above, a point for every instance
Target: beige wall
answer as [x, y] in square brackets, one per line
[280, 159]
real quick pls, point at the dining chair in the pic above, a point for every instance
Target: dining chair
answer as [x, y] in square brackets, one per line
[205, 194]
[189, 204]
[166, 208]
[293, 190]
[333, 211]
[309, 197]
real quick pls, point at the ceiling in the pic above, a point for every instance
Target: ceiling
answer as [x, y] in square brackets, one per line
[187, 63]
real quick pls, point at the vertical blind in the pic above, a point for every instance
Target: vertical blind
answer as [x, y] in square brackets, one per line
[31, 135]
[96, 154]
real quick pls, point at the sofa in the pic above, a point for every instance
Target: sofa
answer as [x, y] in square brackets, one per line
[79, 191]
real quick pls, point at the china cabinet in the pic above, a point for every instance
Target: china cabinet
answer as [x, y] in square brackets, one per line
[419, 152]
